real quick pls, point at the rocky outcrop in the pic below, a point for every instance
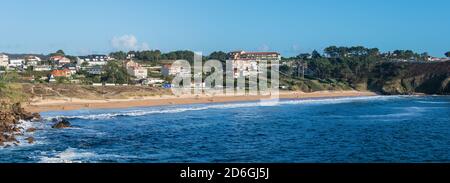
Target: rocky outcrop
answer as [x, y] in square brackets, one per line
[10, 118]
[412, 78]
[64, 123]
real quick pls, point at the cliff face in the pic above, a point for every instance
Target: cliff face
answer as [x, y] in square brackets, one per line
[410, 78]
[10, 119]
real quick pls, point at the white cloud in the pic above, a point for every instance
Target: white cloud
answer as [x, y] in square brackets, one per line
[127, 43]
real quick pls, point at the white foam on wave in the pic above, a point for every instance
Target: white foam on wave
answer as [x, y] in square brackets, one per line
[22, 135]
[402, 113]
[70, 155]
[74, 155]
[111, 115]
[432, 102]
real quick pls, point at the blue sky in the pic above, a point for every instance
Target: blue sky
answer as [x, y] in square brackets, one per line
[287, 26]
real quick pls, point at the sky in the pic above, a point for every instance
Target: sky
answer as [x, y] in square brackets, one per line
[290, 27]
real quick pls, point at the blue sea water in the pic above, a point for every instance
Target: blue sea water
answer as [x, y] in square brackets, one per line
[338, 130]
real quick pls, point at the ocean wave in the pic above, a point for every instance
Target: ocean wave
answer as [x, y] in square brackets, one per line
[402, 113]
[432, 102]
[74, 155]
[179, 109]
[70, 155]
[22, 135]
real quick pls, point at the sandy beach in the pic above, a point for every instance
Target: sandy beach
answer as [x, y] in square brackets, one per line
[61, 104]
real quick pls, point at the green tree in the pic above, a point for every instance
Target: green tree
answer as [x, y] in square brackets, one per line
[218, 55]
[115, 73]
[58, 53]
[304, 56]
[447, 54]
[120, 55]
[315, 54]
[85, 64]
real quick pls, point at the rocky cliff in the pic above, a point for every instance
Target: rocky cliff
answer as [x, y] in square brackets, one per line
[10, 118]
[411, 78]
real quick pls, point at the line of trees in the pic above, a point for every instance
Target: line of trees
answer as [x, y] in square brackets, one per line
[155, 55]
[348, 64]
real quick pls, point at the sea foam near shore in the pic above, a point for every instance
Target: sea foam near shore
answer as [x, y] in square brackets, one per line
[114, 113]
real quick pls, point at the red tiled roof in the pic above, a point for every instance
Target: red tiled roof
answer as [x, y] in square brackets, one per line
[255, 53]
[61, 73]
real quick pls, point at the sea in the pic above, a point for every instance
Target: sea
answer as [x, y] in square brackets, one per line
[375, 129]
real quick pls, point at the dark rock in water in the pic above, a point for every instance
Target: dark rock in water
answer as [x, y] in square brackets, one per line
[55, 120]
[30, 140]
[31, 130]
[64, 123]
[36, 117]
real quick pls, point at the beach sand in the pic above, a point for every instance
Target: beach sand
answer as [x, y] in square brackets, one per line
[62, 104]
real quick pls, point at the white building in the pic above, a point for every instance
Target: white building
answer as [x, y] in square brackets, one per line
[42, 68]
[4, 60]
[248, 63]
[16, 63]
[60, 60]
[168, 70]
[136, 70]
[93, 60]
[32, 60]
[95, 70]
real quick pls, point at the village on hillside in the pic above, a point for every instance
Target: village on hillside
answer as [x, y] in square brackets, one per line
[121, 68]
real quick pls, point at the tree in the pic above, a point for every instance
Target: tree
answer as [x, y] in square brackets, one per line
[84, 64]
[218, 55]
[304, 56]
[61, 52]
[331, 51]
[120, 55]
[148, 55]
[315, 54]
[115, 73]
[179, 55]
[58, 53]
[447, 54]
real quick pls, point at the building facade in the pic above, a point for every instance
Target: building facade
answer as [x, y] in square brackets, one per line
[136, 70]
[4, 60]
[167, 70]
[248, 63]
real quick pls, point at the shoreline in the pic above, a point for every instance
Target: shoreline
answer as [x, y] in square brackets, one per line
[68, 104]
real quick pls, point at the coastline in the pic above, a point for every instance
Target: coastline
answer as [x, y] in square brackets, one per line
[67, 104]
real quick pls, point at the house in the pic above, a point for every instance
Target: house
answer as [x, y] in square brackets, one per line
[436, 59]
[95, 70]
[131, 56]
[258, 56]
[42, 68]
[247, 63]
[135, 69]
[32, 60]
[4, 60]
[16, 63]
[73, 68]
[61, 73]
[168, 70]
[93, 60]
[60, 60]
